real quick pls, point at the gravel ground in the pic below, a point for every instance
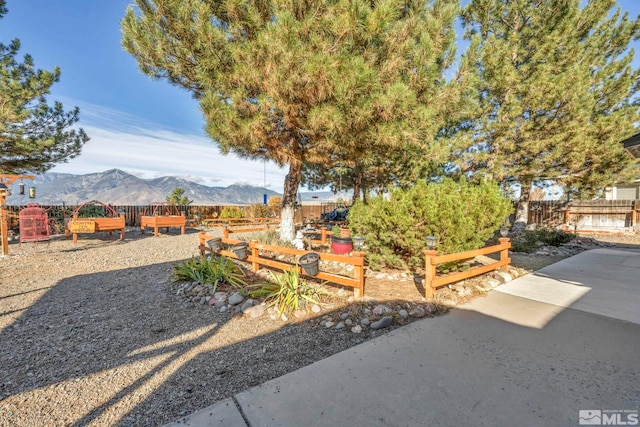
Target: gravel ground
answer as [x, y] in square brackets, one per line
[93, 334]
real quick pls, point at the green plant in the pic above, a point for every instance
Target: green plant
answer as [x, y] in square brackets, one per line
[271, 237]
[258, 210]
[462, 215]
[530, 240]
[178, 197]
[335, 230]
[287, 291]
[210, 272]
[93, 211]
[232, 212]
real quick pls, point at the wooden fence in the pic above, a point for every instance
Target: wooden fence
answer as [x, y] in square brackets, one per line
[432, 281]
[603, 215]
[587, 216]
[547, 213]
[195, 215]
[356, 259]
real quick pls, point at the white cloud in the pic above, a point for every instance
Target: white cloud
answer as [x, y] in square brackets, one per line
[119, 140]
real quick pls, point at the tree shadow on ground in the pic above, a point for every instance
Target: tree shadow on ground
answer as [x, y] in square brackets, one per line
[117, 348]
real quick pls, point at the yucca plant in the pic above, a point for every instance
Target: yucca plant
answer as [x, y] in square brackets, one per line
[210, 272]
[288, 292]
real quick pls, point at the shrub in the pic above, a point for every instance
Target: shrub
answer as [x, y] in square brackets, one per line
[529, 241]
[258, 210]
[93, 211]
[211, 272]
[288, 292]
[271, 237]
[462, 215]
[232, 212]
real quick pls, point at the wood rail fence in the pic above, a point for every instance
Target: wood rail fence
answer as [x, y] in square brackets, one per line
[356, 259]
[249, 226]
[595, 216]
[432, 259]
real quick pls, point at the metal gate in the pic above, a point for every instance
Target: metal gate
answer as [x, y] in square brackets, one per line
[34, 224]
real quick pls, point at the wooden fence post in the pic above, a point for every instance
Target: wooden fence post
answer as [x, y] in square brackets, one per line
[429, 273]
[504, 253]
[358, 274]
[255, 253]
[225, 232]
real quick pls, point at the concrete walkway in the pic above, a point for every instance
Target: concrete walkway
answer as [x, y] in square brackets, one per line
[534, 352]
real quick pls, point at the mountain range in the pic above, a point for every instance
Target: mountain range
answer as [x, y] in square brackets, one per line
[117, 187]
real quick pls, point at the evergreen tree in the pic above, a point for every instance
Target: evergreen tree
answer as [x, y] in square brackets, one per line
[317, 83]
[557, 93]
[178, 198]
[33, 135]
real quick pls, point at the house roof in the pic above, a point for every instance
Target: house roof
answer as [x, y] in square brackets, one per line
[632, 145]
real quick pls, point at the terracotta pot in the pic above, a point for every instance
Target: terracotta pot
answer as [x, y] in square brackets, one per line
[344, 232]
[341, 245]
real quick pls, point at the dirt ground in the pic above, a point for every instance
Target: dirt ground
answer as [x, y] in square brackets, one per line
[93, 333]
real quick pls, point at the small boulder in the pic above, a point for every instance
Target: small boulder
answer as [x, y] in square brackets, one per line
[235, 298]
[382, 323]
[254, 311]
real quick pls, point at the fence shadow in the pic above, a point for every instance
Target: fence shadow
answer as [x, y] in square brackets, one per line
[117, 348]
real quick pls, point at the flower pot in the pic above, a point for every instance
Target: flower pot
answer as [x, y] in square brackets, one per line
[344, 232]
[310, 263]
[240, 249]
[215, 244]
[341, 245]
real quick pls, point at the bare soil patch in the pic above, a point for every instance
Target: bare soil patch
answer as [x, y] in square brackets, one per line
[93, 334]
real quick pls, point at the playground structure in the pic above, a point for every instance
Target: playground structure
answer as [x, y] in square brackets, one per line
[162, 215]
[110, 223]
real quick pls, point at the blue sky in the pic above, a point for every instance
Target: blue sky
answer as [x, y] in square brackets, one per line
[145, 127]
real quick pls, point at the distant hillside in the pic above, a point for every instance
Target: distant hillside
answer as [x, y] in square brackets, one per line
[120, 188]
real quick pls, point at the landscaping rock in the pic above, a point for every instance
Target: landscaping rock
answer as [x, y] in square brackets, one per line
[222, 296]
[340, 325]
[430, 308]
[365, 322]
[492, 283]
[503, 276]
[315, 308]
[356, 329]
[235, 298]
[382, 323]
[247, 304]
[254, 311]
[403, 314]
[381, 309]
[418, 312]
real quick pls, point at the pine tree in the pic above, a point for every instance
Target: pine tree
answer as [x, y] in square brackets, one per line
[557, 93]
[178, 198]
[317, 83]
[33, 135]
